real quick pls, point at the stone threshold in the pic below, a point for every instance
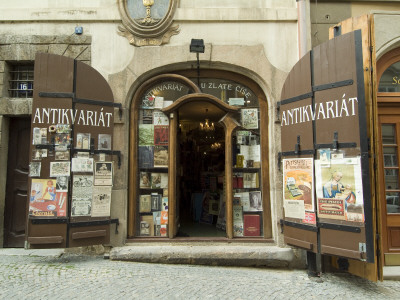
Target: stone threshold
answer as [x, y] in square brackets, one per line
[249, 255]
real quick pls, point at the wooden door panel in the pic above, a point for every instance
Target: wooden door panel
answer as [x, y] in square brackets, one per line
[394, 239]
[17, 178]
[389, 162]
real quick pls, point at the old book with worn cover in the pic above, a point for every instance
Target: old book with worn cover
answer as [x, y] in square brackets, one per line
[146, 156]
[161, 156]
[147, 225]
[161, 133]
[251, 225]
[146, 134]
[155, 201]
[145, 203]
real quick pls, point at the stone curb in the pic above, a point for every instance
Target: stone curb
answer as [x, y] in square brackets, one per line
[206, 255]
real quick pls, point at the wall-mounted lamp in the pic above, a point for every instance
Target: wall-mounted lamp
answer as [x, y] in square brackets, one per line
[197, 46]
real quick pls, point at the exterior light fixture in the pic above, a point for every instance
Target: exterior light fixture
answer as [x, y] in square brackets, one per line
[197, 46]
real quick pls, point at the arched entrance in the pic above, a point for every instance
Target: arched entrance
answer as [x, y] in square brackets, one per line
[203, 142]
[176, 165]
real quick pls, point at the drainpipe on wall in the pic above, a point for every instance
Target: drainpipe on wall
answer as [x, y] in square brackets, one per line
[302, 27]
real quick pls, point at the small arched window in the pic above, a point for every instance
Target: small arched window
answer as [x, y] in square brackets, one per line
[390, 79]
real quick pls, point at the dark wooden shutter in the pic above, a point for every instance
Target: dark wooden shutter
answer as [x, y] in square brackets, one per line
[63, 87]
[329, 81]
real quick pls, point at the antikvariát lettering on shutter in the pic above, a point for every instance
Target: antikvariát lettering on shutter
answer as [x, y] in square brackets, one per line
[324, 158]
[72, 159]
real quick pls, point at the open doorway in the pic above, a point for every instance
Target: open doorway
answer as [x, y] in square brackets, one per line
[201, 162]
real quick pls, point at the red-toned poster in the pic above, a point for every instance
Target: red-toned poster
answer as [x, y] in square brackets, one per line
[45, 201]
[331, 208]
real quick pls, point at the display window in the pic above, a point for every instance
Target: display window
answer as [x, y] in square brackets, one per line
[187, 184]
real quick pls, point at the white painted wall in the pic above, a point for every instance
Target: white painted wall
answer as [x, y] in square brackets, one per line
[270, 23]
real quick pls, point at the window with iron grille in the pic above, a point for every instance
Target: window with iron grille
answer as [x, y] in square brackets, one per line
[21, 81]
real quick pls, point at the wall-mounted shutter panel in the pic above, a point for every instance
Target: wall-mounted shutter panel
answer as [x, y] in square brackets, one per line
[297, 142]
[69, 92]
[323, 117]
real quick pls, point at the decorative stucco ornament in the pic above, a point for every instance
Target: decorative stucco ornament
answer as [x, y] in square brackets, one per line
[147, 22]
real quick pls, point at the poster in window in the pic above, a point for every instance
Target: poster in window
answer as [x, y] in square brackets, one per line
[339, 189]
[158, 102]
[298, 179]
[159, 118]
[103, 173]
[148, 102]
[145, 116]
[250, 118]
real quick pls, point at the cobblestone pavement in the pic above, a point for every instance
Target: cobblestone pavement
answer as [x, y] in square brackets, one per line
[93, 277]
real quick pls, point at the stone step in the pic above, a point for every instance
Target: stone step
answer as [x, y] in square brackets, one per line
[206, 254]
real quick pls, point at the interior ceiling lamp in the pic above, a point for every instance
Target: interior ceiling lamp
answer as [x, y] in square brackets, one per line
[216, 146]
[207, 125]
[197, 46]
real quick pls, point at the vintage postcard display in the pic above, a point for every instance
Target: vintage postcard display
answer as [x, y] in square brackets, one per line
[72, 175]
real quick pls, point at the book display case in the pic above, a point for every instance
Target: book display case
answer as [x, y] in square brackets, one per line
[247, 197]
[153, 168]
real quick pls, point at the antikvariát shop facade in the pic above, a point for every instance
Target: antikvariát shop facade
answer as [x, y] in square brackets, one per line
[190, 152]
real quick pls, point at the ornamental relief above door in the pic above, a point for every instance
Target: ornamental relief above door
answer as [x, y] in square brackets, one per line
[147, 22]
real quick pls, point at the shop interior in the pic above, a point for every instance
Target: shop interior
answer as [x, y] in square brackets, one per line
[201, 167]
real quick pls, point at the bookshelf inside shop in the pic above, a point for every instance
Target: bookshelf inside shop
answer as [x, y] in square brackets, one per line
[214, 168]
[247, 197]
[153, 170]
